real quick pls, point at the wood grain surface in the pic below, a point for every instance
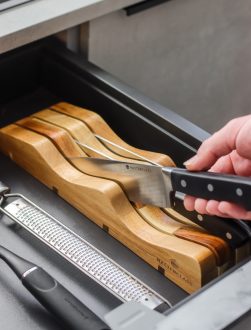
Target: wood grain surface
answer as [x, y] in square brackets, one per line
[153, 215]
[97, 125]
[188, 264]
[100, 128]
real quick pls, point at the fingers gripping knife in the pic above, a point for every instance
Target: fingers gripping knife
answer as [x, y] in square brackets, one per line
[79, 252]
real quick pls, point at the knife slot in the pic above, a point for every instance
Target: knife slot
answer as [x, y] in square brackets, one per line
[98, 126]
[161, 221]
[105, 228]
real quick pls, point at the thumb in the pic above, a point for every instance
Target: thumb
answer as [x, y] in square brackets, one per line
[219, 144]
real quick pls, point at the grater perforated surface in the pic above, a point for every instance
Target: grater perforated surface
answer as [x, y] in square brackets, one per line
[82, 254]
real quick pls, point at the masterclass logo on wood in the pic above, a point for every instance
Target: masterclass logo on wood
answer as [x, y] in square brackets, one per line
[171, 266]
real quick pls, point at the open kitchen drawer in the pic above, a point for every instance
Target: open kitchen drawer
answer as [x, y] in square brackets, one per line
[33, 78]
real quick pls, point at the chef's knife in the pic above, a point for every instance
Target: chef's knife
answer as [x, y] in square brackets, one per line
[156, 185]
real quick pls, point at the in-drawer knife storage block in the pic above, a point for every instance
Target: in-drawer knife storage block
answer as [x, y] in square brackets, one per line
[63, 140]
[79, 120]
[188, 264]
[231, 231]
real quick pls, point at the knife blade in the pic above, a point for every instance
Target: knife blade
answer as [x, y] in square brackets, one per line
[155, 185]
[163, 187]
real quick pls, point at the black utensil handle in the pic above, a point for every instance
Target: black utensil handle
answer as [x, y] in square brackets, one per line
[60, 302]
[229, 230]
[143, 5]
[214, 186]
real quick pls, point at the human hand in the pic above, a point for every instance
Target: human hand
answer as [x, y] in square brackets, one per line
[226, 151]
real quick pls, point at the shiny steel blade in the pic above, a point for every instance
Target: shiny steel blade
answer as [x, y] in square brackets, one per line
[146, 183]
[132, 155]
[100, 153]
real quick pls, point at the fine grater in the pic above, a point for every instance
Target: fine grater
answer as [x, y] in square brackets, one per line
[88, 259]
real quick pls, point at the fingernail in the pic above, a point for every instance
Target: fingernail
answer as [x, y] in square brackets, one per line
[190, 161]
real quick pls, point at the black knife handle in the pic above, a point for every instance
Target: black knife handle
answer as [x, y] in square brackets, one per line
[60, 302]
[229, 230]
[215, 186]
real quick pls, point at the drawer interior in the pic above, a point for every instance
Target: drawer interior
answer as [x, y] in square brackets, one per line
[45, 73]
[40, 75]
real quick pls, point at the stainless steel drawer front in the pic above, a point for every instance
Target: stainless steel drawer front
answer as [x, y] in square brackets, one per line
[5, 4]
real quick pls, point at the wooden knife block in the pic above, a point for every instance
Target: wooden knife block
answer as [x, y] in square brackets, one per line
[187, 264]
